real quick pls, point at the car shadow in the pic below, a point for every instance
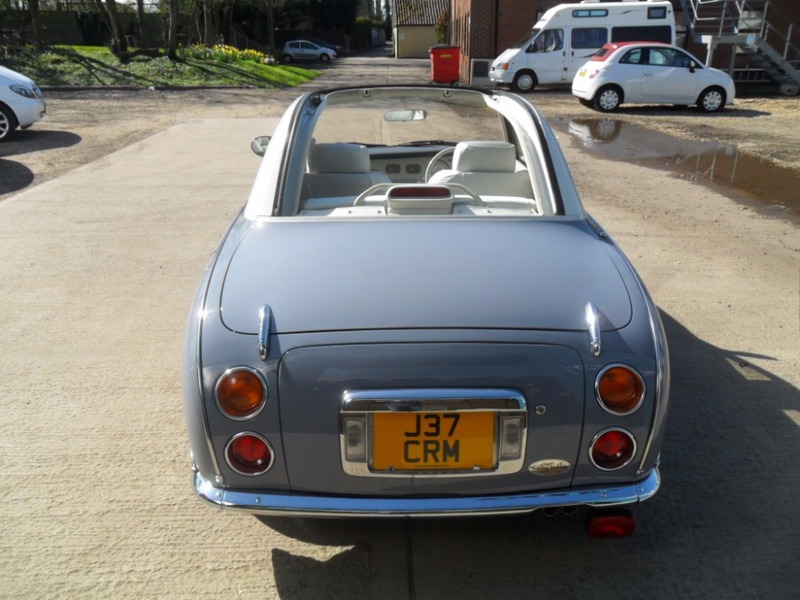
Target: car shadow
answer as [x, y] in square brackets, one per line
[14, 176]
[726, 509]
[33, 140]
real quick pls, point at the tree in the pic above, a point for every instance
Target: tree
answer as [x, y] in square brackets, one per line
[36, 22]
[109, 12]
[442, 27]
[140, 20]
[172, 35]
[333, 14]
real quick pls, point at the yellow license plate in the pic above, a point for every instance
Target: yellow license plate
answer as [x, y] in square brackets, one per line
[433, 441]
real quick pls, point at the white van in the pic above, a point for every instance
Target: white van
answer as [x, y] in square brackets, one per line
[567, 35]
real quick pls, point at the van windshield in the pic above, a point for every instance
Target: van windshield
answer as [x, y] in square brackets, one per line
[523, 41]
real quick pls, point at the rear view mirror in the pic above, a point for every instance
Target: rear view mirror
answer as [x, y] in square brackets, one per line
[405, 115]
[259, 144]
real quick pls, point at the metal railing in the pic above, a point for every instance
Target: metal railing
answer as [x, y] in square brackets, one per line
[755, 25]
[741, 17]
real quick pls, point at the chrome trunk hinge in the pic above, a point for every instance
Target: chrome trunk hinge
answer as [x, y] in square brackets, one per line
[264, 318]
[593, 325]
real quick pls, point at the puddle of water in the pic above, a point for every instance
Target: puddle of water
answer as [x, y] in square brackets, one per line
[774, 186]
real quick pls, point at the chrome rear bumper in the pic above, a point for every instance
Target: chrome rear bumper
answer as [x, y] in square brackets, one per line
[331, 506]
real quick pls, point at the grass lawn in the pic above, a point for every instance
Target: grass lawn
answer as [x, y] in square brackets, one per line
[96, 66]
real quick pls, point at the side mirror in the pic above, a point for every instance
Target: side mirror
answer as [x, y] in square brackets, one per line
[692, 67]
[259, 144]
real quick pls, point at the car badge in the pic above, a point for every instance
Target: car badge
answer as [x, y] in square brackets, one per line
[549, 466]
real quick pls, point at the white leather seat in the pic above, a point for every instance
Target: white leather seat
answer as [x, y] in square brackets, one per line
[488, 168]
[335, 172]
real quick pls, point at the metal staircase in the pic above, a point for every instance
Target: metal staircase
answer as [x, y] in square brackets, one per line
[764, 43]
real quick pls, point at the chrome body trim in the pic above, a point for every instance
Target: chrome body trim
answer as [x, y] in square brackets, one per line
[661, 392]
[264, 317]
[263, 503]
[362, 404]
[593, 325]
[432, 399]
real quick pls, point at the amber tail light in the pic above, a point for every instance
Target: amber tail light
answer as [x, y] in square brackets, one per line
[241, 393]
[619, 389]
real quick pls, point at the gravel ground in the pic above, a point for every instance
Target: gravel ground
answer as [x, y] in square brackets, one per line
[82, 126]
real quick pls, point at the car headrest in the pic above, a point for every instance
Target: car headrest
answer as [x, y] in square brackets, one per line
[484, 156]
[338, 158]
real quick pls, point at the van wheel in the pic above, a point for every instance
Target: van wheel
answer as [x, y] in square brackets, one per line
[711, 100]
[608, 98]
[524, 82]
[287, 58]
[8, 123]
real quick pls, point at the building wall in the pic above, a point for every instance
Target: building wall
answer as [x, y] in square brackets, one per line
[413, 41]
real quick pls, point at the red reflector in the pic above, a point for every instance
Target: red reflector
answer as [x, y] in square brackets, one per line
[249, 454]
[614, 523]
[419, 191]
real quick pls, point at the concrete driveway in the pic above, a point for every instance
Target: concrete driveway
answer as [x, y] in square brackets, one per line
[98, 269]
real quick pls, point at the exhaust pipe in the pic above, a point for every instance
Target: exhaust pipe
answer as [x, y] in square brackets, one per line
[552, 511]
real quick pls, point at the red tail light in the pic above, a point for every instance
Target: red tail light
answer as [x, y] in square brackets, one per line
[612, 449]
[610, 523]
[249, 454]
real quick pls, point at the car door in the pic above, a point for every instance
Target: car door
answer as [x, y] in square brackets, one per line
[668, 77]
[628, 72]
[547, 56]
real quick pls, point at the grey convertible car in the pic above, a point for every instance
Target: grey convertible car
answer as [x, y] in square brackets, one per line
[413, 315]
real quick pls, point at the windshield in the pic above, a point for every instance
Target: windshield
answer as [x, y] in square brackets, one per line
[410, 120]
[523, 41]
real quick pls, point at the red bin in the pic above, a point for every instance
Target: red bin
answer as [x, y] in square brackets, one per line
[444, 64]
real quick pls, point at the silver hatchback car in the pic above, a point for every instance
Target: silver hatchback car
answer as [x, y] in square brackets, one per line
[303, 50]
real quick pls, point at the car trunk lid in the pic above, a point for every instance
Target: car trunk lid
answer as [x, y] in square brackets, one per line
[336, 275]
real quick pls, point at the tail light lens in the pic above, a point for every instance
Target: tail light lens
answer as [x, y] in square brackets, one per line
[619, 389]
[612, 449]
[241, 393]
[249, 454]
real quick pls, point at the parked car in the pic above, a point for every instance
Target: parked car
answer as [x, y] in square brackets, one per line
[21, 102]
[303, 50]
[413, 314]
[325, 44]
[650, 73]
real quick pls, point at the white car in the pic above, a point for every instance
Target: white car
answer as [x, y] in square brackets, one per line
[650, 73]
[305, 50]
[21, 102]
